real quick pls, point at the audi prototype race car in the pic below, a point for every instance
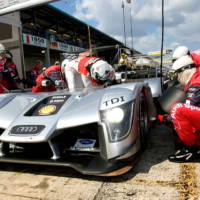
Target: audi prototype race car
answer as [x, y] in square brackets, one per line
[96, 132]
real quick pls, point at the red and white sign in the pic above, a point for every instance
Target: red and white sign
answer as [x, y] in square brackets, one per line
[34, 40]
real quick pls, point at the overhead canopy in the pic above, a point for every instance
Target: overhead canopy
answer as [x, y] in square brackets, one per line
[7, 6]
[63, 25]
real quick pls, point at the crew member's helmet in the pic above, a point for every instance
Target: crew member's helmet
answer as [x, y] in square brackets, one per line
[179, 52]
[101, 71]
[183, 63]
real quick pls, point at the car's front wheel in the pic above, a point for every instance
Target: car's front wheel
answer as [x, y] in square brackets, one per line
[143, 120]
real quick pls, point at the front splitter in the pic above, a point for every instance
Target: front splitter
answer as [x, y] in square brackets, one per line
[89, 165]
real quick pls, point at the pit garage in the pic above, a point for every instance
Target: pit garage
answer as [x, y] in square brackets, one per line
[44, 39]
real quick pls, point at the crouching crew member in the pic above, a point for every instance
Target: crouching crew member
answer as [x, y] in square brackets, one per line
[49, 80]
[186, 116]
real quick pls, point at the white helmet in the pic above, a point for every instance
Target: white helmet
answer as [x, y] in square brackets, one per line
[2, 48]
[183, 63]
[101, 71]
[180, 51]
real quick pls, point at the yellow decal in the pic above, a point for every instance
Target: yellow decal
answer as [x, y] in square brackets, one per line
[47, 110]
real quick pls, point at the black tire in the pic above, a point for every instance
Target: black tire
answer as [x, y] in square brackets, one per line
[143, 121]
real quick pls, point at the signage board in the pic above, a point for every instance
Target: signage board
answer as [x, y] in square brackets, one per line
[34, 40]
[63, 47]
[42, 42]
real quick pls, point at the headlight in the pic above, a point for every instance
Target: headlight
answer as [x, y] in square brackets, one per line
[115, 115]
[118, 121]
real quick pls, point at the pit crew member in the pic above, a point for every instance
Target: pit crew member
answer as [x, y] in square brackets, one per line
[186, 116]
[8, 71]
[87, 71]
[49, 80]
[33, 73]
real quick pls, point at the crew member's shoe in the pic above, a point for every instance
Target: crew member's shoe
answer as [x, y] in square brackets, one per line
[186, 154]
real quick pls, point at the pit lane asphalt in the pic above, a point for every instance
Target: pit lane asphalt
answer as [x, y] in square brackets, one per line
[153, 178]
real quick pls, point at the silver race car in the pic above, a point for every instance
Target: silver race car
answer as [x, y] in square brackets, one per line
[97, 132]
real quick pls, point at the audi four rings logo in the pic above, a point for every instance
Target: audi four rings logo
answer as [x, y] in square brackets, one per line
[27, 129]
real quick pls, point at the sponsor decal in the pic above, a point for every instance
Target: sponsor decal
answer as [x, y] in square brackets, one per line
[114, 101]
[174, 109]
[83, 144]
[50, 106]
[34, 40]
[178, 106]
[57, 99]
[47, 110]
[86, 141]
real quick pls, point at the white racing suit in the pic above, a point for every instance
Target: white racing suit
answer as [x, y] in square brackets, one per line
[77, 74]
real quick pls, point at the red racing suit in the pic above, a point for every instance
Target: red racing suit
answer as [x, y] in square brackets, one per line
[52, 74]
[186, 116]
[8, 75]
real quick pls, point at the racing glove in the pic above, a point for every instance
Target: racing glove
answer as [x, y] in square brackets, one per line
[45, 83]
[164, 119]
[59, 84]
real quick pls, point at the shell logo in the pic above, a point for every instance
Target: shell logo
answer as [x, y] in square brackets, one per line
[47, 110]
